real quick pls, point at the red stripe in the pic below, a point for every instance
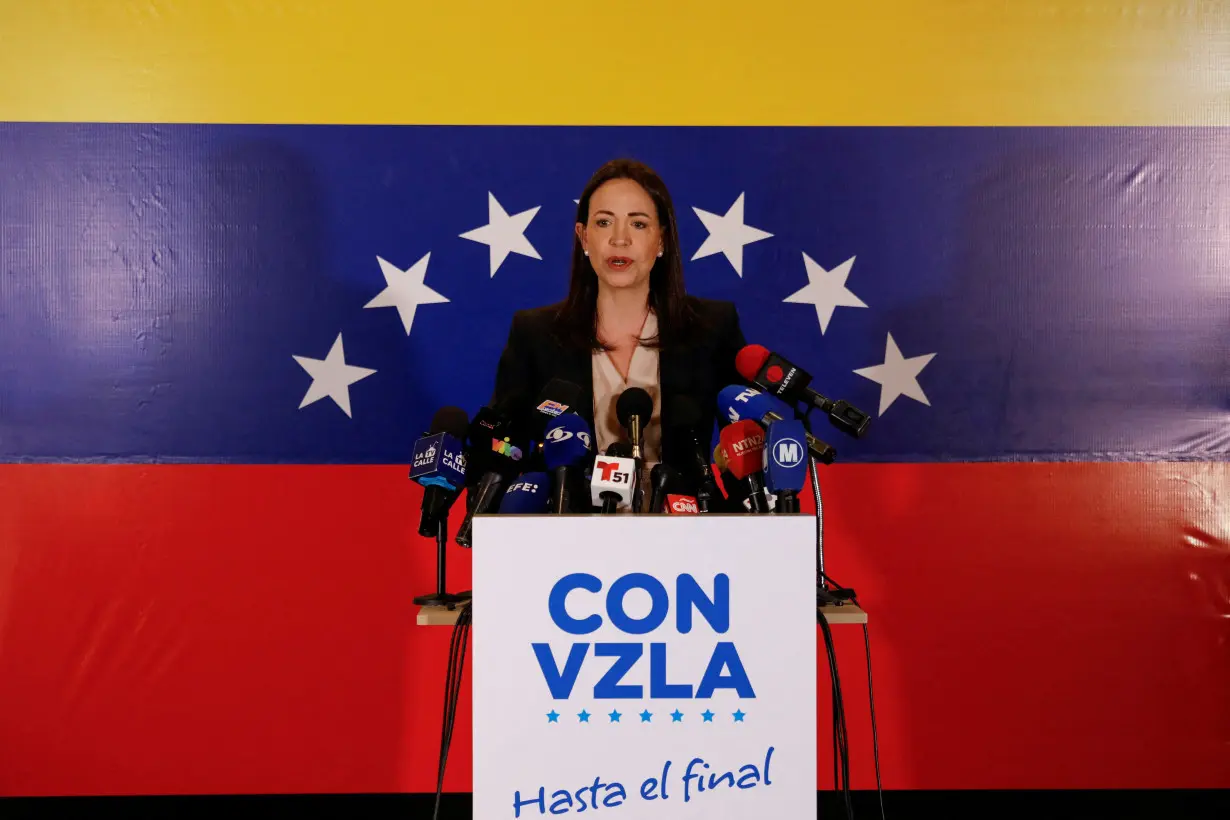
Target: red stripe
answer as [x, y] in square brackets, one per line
[204, 629]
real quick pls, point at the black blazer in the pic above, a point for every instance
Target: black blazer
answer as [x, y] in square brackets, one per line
[699, 369]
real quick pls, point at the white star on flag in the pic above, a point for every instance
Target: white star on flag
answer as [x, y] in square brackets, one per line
[504, 234]
[404, 290]
[826, 290]
[728, 235]
[898, 376]
[331, 377]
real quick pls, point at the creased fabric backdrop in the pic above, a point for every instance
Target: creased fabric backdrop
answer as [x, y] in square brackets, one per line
[248, 249]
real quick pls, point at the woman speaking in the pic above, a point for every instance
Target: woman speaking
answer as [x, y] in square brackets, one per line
[628, 322]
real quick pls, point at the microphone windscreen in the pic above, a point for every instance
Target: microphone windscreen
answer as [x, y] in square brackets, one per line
[750, 359]
[736, 403]
[743, 443]
[451, 420]
[634, 402]
[528, 495]
[558, 397]
[567, 442]
[619, 449]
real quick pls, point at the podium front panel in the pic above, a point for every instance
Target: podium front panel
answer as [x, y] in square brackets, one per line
[644, 666]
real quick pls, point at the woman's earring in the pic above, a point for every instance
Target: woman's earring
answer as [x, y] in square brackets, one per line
[587, 253]
[659, 253]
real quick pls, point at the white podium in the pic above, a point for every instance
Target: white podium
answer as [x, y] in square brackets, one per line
[644, 666]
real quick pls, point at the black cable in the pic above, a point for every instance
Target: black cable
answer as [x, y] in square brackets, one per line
[840, 732]
[452, 690]
[871, 698]
[828, 589]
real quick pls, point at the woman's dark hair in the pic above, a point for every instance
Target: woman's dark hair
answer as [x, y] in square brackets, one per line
[577, 321]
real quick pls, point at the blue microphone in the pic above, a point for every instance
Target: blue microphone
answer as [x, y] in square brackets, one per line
[785, 463]
[736, 402]
[439, 465]
[567, 445]
[528, 495]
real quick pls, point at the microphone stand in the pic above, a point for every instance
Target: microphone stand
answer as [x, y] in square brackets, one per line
[823, 582]
[441, 597]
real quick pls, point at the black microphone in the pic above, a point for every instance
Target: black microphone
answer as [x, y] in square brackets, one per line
[787, 381]
[496, 454]
[685, 419]
[634, 408]
[662, 478]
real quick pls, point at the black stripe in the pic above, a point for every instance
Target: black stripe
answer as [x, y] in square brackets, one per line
[1119, 804]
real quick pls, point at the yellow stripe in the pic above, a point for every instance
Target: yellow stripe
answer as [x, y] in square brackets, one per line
[747, 62]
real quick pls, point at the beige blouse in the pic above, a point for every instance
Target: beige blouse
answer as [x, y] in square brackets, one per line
[608, 385]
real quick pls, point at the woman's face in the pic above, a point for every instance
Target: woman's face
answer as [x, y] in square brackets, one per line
[623, 236]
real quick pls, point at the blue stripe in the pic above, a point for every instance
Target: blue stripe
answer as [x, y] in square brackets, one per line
[157, 280]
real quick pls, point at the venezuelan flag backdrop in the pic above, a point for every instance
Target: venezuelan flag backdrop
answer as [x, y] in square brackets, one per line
[247, 250]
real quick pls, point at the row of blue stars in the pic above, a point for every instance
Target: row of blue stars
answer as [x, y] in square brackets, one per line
[646, 716]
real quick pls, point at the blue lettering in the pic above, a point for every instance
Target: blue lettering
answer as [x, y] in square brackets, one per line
[628, 654]
[658, 687]
[563, 802]
[618, 796]
[559, 614]
[657, 612]
[560, 683]
[541, 800]
[715, 610]
[725, 656]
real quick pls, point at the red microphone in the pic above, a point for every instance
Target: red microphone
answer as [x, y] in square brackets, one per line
[743, 443]
[776, 375]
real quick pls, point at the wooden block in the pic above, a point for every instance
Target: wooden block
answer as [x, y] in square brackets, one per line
[835, 615]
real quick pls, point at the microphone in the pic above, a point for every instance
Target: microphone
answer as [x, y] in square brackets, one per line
[680, 505]
[781, 378]
[439, 465]
[528, 495]
[661, 478]
[612, 486]
[494, 460]
[557, 398]
[743, 443]
[566, 446]
[686, 422]
[785, 463]
[634, 408]
[735, 491]
[738, 402]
